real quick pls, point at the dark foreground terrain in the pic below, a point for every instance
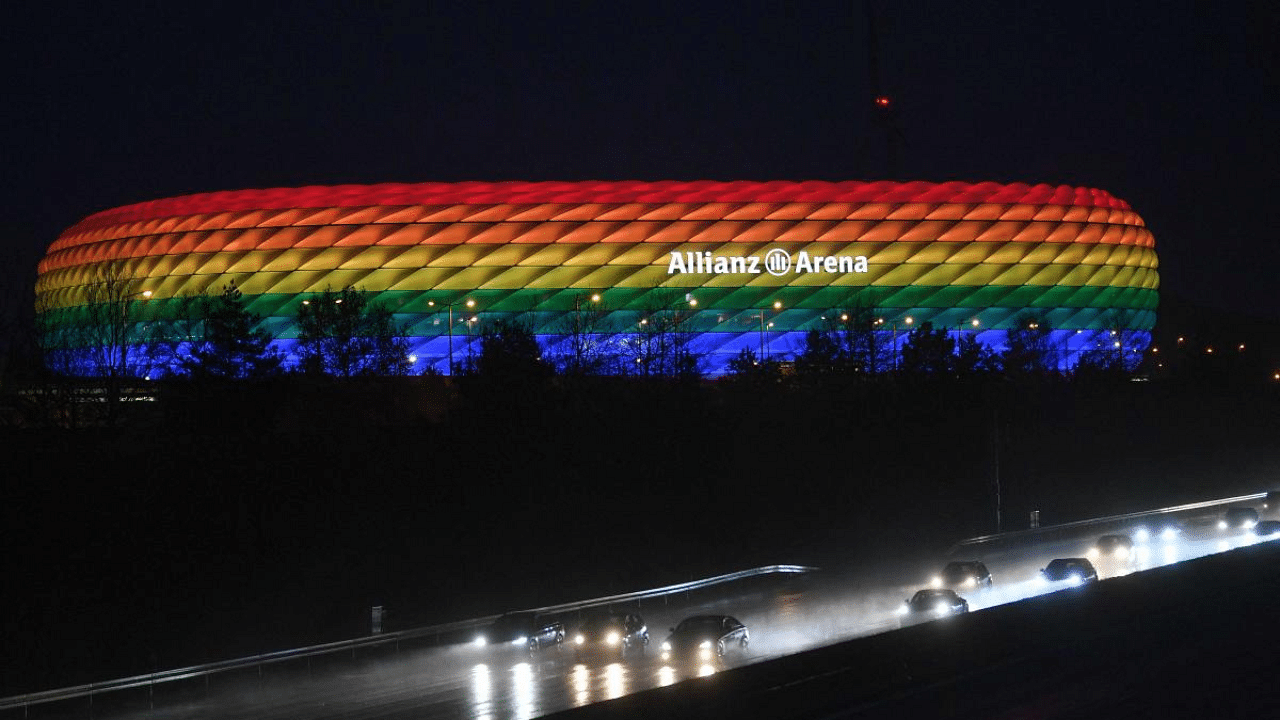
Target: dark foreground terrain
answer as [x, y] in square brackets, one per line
[223, 526]
[1188, 641]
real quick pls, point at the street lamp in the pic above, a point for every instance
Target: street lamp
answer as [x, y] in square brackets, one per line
[908, 321]
[777, 305]
[470, 304]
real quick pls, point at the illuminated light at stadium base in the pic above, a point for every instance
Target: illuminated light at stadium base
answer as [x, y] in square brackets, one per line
[731, 265]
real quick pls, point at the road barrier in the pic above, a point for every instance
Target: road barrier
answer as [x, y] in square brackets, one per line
[150, 680]
[1065, 528]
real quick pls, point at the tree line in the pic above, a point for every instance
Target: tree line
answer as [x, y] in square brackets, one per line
[855, 344]
[346, 333]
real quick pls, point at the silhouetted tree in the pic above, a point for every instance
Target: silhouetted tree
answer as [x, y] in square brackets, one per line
[746, 368]
[509, 352]
[344, 334]
[864, 347]
[973, 358]
[99, 339]
[1029, 347]
[928, 352]
[229, 344]
[660, 345]
[585, 349]
[112, 327]
[822, 355]
[1119, 351]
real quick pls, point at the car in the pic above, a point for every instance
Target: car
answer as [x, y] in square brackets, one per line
[963, 575]
[525, 630]
[931, 604]
[1073, 571]
[1238, 518]
[1165, 531]
[1266, 528]
[704, 638]
[1159, 529]
[619, 634]
[1112, 547]
[1202, 528]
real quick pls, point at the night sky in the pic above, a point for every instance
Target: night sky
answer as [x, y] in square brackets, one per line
[1171, 106]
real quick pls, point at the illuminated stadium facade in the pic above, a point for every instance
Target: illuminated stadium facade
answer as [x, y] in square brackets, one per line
[740, 265]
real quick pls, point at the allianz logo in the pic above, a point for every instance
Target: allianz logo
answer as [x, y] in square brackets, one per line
[777, 262]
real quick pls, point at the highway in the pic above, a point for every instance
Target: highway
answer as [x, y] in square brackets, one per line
[786, 614]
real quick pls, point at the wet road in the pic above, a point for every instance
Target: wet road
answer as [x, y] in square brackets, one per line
[785, 615]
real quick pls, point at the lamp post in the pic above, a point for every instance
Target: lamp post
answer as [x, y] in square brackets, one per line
[470, 304]
[582, 332]
[908, 321]
[777, 305]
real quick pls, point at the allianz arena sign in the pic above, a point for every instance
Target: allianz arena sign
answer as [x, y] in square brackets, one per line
[776, 262]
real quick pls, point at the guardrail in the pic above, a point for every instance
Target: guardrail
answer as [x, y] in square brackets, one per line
[165, 676]
[1076, 524]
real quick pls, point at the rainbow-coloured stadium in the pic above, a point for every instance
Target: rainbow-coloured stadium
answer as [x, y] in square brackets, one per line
[750, 264]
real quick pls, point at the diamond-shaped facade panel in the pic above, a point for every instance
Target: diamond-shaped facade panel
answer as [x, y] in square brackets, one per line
[741, 264]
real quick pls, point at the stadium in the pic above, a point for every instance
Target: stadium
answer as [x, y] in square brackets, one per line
[725, 266]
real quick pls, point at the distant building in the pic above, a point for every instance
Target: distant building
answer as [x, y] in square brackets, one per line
[726, 265]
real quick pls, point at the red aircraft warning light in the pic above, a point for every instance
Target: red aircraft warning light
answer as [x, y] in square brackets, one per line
[882, 101]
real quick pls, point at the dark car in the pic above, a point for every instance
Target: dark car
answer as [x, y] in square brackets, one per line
[1112, 547]
[525, 630]
[1073, 571]
[963, 575]
[1162, 530]
[1267, 528]
[705, 637]
[611, 634]
[1238, 518]
[1202, 528]
[932, 604]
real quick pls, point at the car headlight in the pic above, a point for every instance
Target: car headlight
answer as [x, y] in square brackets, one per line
[1074, 579]
[612, 638]
[1122, 552]
[666, 647]
[941, 609]
[1250, 523]
[1142, 535]
[705, 645]
[579, 639]
[520, 640]
[1093, 552]
[904, 609]
[936, 581]
[970, 582]
[480, 641]
[1222, 524]
[1169, 534]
